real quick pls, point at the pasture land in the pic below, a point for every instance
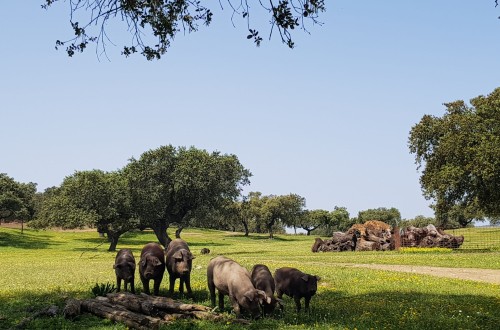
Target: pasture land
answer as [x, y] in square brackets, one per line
[40, 268]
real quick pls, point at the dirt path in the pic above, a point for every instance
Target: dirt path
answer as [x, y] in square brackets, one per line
[473, 274]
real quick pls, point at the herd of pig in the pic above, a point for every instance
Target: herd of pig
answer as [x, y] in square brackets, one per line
[253, 292]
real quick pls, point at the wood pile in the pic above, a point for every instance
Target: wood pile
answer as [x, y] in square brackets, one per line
[138, 311]
[429, 237]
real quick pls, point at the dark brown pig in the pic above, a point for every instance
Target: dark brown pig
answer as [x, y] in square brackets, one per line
[152, 266]
[263, 280]
[179, 264]
[125, 269]
[232, 279]
[295, 284]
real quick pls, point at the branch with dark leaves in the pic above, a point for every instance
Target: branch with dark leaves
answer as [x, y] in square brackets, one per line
[154, 24]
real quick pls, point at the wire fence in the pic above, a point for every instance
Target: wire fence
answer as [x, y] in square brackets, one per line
[475, 238]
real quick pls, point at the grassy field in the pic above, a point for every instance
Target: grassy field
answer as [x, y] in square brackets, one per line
[39, 268]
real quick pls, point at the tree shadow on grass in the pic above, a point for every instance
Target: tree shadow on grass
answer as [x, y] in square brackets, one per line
[396, 310]
[14, 239]
[281, 238]
[329, 310]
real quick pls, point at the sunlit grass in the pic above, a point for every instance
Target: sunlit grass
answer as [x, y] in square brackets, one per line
[46, 267]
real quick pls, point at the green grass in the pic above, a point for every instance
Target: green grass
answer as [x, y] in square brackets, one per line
[39, 268]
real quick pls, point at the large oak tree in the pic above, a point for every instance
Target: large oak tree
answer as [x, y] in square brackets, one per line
[460, 156]
[169, 185]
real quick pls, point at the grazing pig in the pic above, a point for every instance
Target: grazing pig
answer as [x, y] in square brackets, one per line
[179, 264]
[232, 279]
[205, 251]
[263, 280]
[125, 269]
[295, 284]
[152, 266]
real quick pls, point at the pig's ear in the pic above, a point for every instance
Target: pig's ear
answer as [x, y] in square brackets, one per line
[318, 278]
[142, 262]
[177, 255]
[156, 261]
[131, 265]
[114, 266]
[305, 278]
[190, 256]
[261, 295]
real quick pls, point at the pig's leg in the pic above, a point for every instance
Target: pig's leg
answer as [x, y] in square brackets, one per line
[236, 306]
[221, 301]
[297, 302]
[157, 283]
[188, 285]
[307, 300]
[172, 284]
[118, 283]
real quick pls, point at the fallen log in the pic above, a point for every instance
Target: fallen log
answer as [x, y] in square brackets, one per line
[119, 313]
[138, 311]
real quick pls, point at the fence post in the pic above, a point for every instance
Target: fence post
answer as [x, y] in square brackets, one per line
[397, 239]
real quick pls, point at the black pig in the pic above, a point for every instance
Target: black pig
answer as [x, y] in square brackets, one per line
[179, 264]
[232, 279]
[152, 266]
[295, 284]
[125, 269]
[263, 280]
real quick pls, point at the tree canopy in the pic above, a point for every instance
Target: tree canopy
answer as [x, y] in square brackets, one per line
[460, 156]
[153, 24]
[390, 216]
[16, 199]
[169, 184]
[95, 199]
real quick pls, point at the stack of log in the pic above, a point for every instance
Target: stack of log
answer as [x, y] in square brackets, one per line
[376, 235]
[138, 311]
[430, 237]
[373, 235]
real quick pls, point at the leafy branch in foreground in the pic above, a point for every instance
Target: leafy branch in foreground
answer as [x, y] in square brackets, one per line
[161, 20]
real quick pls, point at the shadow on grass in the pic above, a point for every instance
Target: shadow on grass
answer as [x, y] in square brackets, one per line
[13, 238]
[260, 238]
[329, 310]
[396, 310]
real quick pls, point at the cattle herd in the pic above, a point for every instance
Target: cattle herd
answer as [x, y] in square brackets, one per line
[256, 292]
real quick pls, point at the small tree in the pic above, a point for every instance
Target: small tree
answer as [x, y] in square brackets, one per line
[311, 220]
[283, 209]
[17, 200]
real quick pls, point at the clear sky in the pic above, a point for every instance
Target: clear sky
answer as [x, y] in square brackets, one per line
[328, 120]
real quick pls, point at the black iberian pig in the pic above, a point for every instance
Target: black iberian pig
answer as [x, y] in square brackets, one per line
[179, 264]
[125, 269]
[152, 266]
[262, 279]
[295, 284]
[232, 279]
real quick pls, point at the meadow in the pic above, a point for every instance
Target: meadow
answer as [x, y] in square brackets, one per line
[40, 268]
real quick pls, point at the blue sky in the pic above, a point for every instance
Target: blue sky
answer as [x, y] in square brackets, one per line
[328, 120]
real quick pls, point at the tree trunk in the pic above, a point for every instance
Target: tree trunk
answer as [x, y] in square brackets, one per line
[113, 240]
[178, 231]
[160, 228]
[309, 232]
[245, 226]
